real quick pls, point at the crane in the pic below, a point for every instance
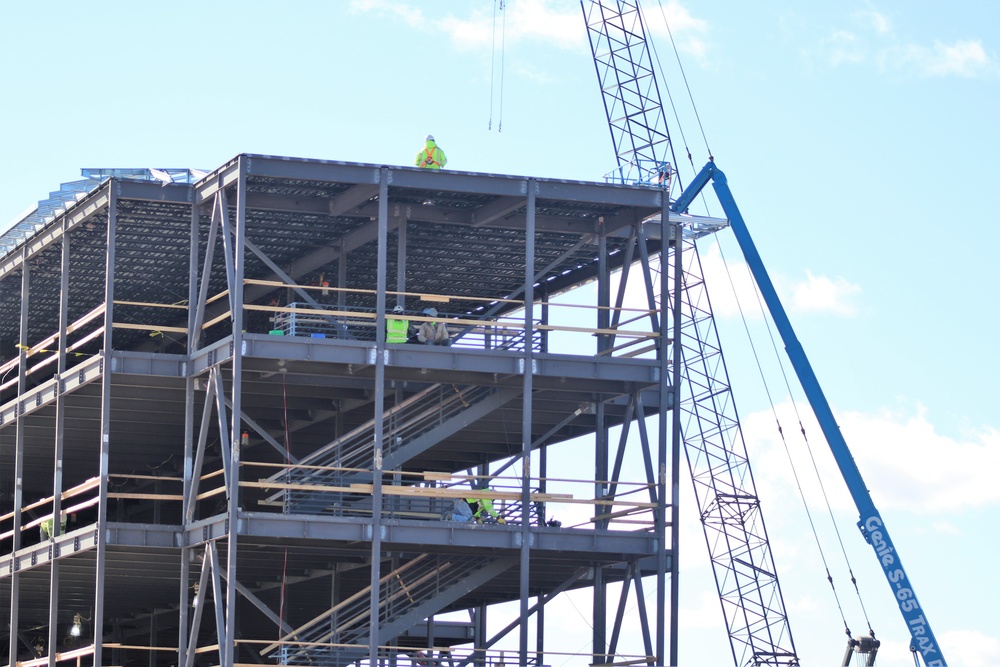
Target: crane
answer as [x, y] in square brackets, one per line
[755, 617]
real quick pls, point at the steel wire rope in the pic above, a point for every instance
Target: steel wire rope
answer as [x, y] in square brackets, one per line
[812, 459]
[781, 433]
[680, 66]
[673, 107]
[503, 50]
[784, 442]
[493, 59]
[670, 97]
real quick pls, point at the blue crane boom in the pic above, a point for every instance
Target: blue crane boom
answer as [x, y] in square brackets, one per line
[871, 523]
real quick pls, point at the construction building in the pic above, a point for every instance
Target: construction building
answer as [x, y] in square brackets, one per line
[209, 454]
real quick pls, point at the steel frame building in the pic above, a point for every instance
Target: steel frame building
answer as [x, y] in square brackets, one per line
[210, 455]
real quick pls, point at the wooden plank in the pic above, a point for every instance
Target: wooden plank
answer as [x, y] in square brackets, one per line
[438, 492]
[146, 496]
[148, 327]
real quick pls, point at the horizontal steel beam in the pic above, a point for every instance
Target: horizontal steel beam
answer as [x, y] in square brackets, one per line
[604, 545]
[47, 551]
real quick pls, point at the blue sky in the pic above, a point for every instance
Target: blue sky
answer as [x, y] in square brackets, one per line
[859, 139]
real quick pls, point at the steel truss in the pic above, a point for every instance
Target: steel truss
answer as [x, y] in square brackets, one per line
[629, 89]
[724, 487]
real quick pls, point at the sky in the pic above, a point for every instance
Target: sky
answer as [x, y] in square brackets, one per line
[856, 137]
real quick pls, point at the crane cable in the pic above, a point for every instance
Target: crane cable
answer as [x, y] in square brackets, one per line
[503, 40]
[770, 333]
[784, 442]
[819, 478]
[670, 98]
[694, 107]
[673, 107]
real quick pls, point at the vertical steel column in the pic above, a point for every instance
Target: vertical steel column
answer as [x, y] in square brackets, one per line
[663, 356]
[526, 415]
[379, 352]
[233, 509]
[401, 262]
[105, 444]
[342, 278]
[60, 426]
[543, 472]
[599, 611]
[192, 342]
[675, 432]
[22, 373]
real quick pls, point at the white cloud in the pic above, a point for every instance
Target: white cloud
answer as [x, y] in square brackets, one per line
[823, 294]
[970, 648]
[844, 47]
[876, 42]
[870, 18]
[555, 22]
[964, 58]
[687, 30]
[905, 462]
[731, 290]
[410, 15]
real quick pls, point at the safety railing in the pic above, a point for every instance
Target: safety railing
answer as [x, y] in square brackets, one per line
[436, 497]
[558, 326]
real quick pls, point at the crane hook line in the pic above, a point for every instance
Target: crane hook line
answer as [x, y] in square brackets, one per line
[503, 50]
[493, 57]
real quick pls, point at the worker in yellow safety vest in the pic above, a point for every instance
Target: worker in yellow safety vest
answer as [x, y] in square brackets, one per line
[397, 330]
[432, 157]
[483, 510]
[45, 528]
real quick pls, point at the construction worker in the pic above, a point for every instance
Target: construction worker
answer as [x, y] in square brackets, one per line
[397, 330]
[432, 157]
[45, 528]
[433, 333]
[461, 511]
[483, 510]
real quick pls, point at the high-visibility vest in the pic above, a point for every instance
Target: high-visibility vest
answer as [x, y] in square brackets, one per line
[429, 162]
[396, 331]
[483, 506]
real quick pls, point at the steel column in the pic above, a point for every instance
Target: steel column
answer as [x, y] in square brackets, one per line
[379, 352]
[676, 438]
[526, 413]
[22, 371]
[186, 551]
[235, 427]
[105, 443]
[401, 262]
[60, 426]
[599, 612]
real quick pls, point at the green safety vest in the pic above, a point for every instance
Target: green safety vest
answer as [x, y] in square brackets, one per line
[483, 506]
[396, 331]
[426, 159]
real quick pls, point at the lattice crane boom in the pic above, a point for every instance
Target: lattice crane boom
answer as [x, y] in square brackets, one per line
[752, 604]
